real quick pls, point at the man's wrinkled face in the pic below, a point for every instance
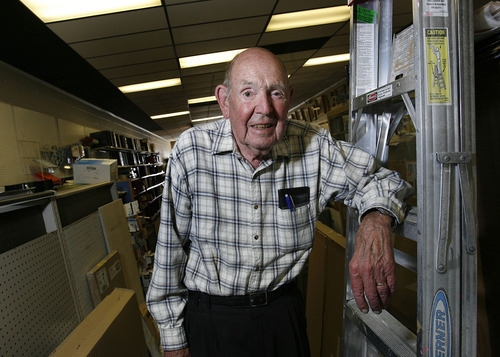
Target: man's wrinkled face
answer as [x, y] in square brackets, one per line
[258, 103]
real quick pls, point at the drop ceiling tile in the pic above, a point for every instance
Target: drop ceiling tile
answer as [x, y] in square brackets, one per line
[216, 10]
[339, 40]
[132, 58]
[217, 30]
[301, 5]
[123, 23]
[303, 33]
[216, 45]
[219, 67]
[160, 67]
[125, 43]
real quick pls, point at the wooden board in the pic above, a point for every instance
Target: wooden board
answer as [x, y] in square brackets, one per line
[115, 228]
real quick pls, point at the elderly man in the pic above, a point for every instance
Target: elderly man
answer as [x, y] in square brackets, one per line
[240, 203]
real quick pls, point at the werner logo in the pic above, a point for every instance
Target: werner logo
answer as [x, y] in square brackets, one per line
[372, 97]
[440, 326]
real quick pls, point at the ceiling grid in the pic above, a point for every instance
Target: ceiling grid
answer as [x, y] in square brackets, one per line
[145, 45]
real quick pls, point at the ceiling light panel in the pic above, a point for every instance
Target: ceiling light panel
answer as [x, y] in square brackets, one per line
[327, 59]
[209, 58]
[59, 10]
[139, 87]
[308, 18]
[170, 115]
[202, 100]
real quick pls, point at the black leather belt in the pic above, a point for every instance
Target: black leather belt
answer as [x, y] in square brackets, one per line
[256, 299]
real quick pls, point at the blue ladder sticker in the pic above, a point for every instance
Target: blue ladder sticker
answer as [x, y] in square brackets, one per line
[440, 326]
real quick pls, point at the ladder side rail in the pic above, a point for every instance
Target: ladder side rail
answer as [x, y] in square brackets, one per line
[354, 341]
[437, 105]
[468, 175]
[365, 335]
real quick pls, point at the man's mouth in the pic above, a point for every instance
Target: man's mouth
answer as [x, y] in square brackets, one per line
[262, 126]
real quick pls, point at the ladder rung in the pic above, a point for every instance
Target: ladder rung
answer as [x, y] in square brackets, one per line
[398, 88]
[405, 260]
[387, 334]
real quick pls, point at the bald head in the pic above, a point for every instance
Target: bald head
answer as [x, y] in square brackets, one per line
[252, 56]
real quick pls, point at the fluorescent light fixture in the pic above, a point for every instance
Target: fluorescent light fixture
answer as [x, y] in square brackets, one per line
[139, 87]
[327, 59]
[59, 10]
[169, 115]
[209, 58]
[211, 118]
[202, 100]
[306, 18]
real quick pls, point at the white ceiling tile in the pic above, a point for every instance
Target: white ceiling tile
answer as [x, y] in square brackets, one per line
[142, 69]
[299, 34]
[132, 58]
[217, 30]
[217, 45]
[117, 24]
[126, 43]
[216, 10]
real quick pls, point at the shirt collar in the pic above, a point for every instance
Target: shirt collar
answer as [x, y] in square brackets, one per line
[225, 142]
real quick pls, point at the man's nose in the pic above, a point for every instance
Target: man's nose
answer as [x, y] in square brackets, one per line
[264, 104]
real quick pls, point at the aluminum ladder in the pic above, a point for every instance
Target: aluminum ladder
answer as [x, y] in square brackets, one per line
[437, 93]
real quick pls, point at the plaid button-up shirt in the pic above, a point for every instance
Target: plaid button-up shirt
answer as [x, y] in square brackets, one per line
[222, 230]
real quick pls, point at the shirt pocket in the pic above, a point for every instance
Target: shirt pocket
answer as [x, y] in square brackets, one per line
[295, 229]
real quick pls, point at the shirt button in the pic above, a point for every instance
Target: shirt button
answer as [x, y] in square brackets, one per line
[257, 268]
[256, 237]
[256, 206]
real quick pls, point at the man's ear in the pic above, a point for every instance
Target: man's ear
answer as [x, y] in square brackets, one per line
[221, 95]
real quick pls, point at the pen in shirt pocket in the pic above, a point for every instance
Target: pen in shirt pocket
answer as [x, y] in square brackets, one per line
[289, 202]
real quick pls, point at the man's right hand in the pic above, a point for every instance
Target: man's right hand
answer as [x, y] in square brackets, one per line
[178, 353]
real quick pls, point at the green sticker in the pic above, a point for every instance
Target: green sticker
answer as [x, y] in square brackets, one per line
[365, 15]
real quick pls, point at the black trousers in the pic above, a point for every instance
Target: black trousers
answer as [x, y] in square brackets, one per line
[277, 329]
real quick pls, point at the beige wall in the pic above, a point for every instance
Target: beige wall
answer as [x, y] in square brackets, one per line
[35, 115]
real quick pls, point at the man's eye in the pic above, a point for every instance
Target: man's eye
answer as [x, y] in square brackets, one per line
[247, 94]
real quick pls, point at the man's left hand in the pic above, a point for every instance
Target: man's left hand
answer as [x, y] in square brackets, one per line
[372, 267]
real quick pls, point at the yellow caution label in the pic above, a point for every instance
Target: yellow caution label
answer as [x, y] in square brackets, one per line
[438, 67]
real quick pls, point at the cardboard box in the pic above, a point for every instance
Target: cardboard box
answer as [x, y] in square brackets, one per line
[113, 328]
[105, 277]
[115, 228]
[131, 208]
[150, 322]
[95, 170]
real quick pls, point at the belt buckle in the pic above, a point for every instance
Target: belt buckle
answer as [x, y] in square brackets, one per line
[258, 299]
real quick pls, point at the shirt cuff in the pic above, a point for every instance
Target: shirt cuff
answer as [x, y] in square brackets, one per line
[383, 211]
[173, 339]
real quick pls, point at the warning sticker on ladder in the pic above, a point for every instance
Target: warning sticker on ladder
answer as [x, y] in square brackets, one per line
[436, 8]
[438, 73]
[379, 94]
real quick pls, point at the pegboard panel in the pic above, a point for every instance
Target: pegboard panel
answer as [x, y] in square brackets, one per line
[85, 247]
[37, 310]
